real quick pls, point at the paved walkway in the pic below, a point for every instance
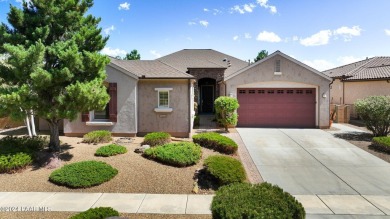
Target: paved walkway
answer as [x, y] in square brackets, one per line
[329, 176]
[122, 202]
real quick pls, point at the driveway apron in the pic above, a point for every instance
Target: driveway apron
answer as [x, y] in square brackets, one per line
[314, 162]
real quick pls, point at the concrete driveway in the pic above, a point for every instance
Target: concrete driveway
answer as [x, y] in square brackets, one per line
[314, 162]
[329, 176]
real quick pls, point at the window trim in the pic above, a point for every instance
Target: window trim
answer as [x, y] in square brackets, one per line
[163, 109]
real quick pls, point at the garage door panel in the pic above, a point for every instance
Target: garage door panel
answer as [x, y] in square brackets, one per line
[276, 107]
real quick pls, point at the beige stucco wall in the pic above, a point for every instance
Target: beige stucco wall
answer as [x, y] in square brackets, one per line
[336, 92]
[293, 75]
[126, 98]
[178, 122]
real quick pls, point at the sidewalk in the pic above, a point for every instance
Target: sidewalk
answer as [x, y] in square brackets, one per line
[122, 202]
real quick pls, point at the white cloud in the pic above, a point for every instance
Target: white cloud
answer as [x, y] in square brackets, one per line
[295, 38]
[155, 53]
[113, 52]
[264, 4]
[191, 23]
[216, 12]
[124, 6]
[204, 23]
[205, 9]
[320, 38]
[268, 37]
[348, 59]
[235, 38]
[347, 33]
[387, 32]
[319, 64]
[246, 8]
[189, 38]
[108, 30]
[247, 36]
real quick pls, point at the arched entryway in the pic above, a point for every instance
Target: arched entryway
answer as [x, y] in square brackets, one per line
[207, 95]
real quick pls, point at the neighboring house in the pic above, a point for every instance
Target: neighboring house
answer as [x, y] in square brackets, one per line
[369, 77]
[159, 95]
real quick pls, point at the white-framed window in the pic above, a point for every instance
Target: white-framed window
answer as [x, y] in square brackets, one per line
[101, 118]
[163, 100]
[277, 68]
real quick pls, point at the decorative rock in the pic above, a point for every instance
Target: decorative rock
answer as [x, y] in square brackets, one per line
[196, 188]
[141, 149]
[124, 140]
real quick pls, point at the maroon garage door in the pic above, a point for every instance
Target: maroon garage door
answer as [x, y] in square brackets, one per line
[277, 107]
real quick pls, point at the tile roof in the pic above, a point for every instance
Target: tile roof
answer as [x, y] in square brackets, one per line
[149, 68]
[203, 58]
[368, 69]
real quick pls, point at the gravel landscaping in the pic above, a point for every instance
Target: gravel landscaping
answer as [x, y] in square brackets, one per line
[136, 173]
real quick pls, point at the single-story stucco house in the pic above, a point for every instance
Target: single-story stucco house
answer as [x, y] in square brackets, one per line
[368, 77]
[159, 95]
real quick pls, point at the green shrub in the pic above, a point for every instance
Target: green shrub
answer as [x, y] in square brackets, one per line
[375, 112]
[110, 150]
[244, 200]
[18, 152]
[99, 136]
[83, 174]
[225, 108]
[225, 169]
[15, 161]
[382, 143]
[216, 141]
[176, 154]
[157, 138]
[96, 213]
[35, 143]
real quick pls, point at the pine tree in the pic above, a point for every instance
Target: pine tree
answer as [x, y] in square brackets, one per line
[53, 65]
[133, 55]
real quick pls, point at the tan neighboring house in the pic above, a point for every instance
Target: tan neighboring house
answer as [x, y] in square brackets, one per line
[159, 95]
[369, 77]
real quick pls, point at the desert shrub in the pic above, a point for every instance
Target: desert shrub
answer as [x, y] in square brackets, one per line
[96, 213]
[14, 161]
[225, 108]
[244, 200]
[382, 143]
[157, 138]
[99, 136]
[18, 152]
[176, 154]
[225, 169]
[35, 143]
[375, 112]
[83, 174]
[110, 150]
[216, 142]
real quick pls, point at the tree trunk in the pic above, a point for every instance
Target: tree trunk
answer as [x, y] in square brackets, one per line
[28, 126]
[32, 122]
[54, 144]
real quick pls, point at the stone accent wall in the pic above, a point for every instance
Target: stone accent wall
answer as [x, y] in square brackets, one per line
[214, 73]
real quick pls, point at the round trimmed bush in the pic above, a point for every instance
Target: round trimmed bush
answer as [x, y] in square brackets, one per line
[96, 213]
[225, 169]
[244, 200]
[83, 174]
[216, 142]
[98, 136]
[110, 150]
[176, 154]
[14, 161]
[157, 138]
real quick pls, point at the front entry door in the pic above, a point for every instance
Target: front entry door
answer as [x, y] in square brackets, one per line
[207, 98]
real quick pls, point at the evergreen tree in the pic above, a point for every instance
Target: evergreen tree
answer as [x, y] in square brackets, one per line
[54, 68]
[133, 55]
[261, 55]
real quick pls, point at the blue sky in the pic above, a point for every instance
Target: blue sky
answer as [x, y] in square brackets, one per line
[322, 34]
